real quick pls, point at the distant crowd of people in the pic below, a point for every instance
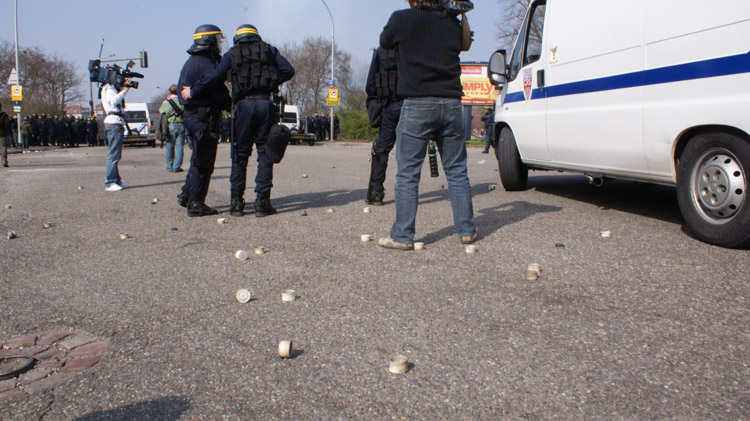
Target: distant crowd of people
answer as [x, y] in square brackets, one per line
[64, 131]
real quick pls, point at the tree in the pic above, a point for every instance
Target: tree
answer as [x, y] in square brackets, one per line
[511, 16]
[312, 61]
[49, 81]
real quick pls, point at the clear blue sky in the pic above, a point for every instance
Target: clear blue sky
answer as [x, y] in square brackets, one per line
[74, 29]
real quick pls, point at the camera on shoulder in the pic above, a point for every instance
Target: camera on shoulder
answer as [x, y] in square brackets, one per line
[113, 74]
[457, 7]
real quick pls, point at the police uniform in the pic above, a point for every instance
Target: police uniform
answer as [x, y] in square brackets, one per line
[256, 70]
[381, 86]
[202, 118]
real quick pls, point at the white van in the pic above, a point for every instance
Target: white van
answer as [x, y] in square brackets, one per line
[647, 90]
[139, 122]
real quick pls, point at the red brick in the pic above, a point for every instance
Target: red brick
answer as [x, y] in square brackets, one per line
[81, 363]
[71, 343]
[49, 382]
[6, 385]
[95, 348]
[51, 363]
[50, 353]
[32, 376]
[25, 341]
[21, 352]
[49, 340]
[11, 394]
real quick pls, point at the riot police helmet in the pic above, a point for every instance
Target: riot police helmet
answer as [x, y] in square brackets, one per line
[206, 37]
[245, 33]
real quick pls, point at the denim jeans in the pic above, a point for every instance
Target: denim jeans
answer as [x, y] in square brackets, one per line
[423, 119]
[115, 134]
[175, 145]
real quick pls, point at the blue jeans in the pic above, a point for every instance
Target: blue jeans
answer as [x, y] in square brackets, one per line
[175, 145]
[115, 134]
[423, 119]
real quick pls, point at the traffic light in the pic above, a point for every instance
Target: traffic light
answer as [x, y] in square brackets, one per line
[144, 59]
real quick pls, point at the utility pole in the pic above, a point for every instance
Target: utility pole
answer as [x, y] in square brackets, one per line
[333, 39]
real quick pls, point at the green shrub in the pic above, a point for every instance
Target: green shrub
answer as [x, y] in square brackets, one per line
[356, 126]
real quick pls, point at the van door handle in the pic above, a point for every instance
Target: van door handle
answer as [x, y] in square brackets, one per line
[540, 78]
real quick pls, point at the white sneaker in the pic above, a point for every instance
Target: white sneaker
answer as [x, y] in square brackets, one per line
[125, 186]
[113, 187]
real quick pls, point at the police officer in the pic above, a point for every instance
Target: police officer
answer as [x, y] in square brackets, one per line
[256, 70]
[92, 131]
[381, 90]
[202, 118]
[43, 130]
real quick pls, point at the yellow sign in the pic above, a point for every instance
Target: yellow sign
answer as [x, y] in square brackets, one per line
[333, 100]
[476, 86]
[16, 93]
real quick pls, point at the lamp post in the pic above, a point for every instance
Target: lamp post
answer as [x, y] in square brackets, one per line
[18, 68]
[333, 38]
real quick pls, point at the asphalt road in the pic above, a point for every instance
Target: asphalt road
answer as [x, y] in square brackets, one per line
[650, 323]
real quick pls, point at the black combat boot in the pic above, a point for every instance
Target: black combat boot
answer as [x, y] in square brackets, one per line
[196, 208]
[237, 205]
[375, 198]
[182, 199]
[263, 205]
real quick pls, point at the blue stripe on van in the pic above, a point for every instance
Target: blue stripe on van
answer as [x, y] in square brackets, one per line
[723, 66]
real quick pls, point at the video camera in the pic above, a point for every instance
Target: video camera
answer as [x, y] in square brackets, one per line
[457, 7]
[113, 74]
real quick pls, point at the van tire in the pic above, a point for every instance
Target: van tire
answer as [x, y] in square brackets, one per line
[514, 174]
[712, 189]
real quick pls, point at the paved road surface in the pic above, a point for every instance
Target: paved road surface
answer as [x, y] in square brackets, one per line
[649, 323]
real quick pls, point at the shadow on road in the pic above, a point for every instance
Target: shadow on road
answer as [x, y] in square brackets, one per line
[492, 219]
[650, 200]
[298, 202]
[170, 408]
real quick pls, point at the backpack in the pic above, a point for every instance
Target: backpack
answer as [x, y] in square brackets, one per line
[162, 131]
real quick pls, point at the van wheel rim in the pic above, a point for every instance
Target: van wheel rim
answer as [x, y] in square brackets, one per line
[718, 186]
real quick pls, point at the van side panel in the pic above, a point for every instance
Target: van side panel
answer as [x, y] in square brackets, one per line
[595, 121]
[708, 55]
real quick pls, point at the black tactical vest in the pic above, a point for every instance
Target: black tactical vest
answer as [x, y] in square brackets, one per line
[253, 70]
[387, 75]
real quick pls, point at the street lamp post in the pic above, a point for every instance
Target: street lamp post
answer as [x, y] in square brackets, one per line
[18, 68]
[333, 38]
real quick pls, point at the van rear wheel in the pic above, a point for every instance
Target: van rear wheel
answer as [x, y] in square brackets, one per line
[514, 174]
[712, 184]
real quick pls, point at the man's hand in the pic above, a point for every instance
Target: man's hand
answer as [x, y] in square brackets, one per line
[186, 92]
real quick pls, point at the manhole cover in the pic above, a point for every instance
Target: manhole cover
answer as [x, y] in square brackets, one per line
[14, 366]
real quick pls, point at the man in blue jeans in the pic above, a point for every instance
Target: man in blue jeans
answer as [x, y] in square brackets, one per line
[428, 40]
[113, 103]
[176, 139]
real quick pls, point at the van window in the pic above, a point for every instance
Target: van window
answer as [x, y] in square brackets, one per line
[289, 118]
[136, 117]
[534, 40]
[528, 48]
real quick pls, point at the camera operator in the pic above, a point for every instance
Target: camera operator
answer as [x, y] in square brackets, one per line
[202, 118]
[429, 41]
[256, 70]
[113, 103]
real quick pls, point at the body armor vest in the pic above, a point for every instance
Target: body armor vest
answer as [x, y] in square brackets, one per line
[253, 70]
[387, 75]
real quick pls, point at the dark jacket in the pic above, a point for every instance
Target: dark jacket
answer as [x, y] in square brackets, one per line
[429, 44]
[219, 74]
[5, 126]
[193, 70]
